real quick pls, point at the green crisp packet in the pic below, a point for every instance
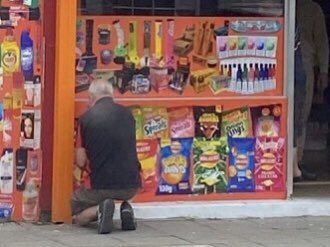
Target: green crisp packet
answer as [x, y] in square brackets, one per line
[235, 123]
[137, 114]
[210, 160]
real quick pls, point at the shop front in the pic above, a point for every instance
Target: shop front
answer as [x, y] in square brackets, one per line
[208, 83]
[207, 86]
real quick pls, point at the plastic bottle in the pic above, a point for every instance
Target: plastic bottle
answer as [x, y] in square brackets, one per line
[30, 201]
[239, 78]
[6, 172]
[10, 53]
[27, 54]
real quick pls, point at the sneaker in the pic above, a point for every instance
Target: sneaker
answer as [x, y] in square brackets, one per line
[128, 222]
[105, 215]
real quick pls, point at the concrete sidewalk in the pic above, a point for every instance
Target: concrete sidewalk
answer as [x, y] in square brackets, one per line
[275, 232]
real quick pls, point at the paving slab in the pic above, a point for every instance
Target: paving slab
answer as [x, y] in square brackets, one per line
[276, 232]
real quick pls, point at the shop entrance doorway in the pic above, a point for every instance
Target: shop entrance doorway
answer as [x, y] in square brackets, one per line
[317, 148]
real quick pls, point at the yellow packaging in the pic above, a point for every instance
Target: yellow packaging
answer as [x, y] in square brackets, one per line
[155, 122]
[10, 53]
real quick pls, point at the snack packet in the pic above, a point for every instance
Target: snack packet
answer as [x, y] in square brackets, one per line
[182, 123]
[269, 164]
[241, 164]
[235, 123]
[174, 166]
[137, 114]
[266, 120]
[155, 122]
[210, 162]
[147, 154]
[207, 122]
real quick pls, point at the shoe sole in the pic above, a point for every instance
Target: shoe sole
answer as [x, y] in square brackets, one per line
[106, 222]
[127, 220]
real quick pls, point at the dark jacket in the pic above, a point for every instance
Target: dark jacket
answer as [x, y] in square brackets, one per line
[108, 135]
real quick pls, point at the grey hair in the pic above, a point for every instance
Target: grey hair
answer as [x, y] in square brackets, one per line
[100, 88]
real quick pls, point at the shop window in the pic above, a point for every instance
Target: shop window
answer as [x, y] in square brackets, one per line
[183, 7]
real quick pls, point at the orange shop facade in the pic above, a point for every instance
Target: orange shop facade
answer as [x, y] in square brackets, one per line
[209, 92]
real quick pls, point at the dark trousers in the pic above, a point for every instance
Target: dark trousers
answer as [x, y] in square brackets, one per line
[86, 198]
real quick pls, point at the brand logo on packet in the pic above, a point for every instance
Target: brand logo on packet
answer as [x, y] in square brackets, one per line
[155, 126]
[209, 118]
[143, 147]
[9, 58]
[206, 157]
[174, 168]
[235, 129]
[185, 124]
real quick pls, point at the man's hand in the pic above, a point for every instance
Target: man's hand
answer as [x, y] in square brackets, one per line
[81, 157]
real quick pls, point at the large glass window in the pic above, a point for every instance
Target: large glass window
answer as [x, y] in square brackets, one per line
[183, 7]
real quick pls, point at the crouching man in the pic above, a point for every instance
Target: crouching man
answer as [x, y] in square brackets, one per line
[106, 143]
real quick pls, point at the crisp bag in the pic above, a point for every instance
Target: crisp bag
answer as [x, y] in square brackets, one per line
[210, 162]
[182, 123]
[137, 114]
[147, 154]
[235, 123]
[155, 123]
[174, 166]
[241, 164]
[207, 122]
[269, 171]
[266, 120]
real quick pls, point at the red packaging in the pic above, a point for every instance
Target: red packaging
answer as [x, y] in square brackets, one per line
[147, 154]
[269, 156]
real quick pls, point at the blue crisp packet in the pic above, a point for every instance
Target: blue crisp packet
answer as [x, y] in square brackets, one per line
[174, 166]
[241, 164]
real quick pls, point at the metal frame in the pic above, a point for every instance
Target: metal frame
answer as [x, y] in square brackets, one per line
[289, 25]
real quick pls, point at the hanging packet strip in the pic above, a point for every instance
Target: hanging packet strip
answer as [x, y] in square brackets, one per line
[266, 120]
[207, 122]
[269, 171]
[155, 122]
[241, 164]
[209, 169]
[235, 123]
[174, 166]
[182, 123]
[147, 154]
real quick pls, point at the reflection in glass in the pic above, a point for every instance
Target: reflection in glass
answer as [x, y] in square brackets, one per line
[183, 7]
